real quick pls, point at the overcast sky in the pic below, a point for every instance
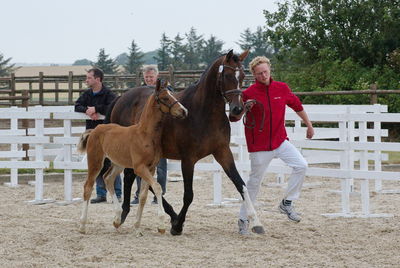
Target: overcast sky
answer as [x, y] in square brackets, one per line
[62, 31]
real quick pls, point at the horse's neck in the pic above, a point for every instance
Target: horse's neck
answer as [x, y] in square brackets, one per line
[150, 117]
[206, 96]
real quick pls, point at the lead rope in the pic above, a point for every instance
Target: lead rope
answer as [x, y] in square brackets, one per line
[248, 113]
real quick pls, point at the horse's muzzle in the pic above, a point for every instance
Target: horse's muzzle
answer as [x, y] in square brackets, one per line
[237, 110]
[183, 114]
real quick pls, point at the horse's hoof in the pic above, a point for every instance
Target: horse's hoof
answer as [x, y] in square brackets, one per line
[258, 230]
[173, 232]
[161, 231]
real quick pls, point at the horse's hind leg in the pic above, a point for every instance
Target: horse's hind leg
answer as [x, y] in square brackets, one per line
[187, 172]
[129, 178]
[144, 190]
[94, 168]
[109, 178]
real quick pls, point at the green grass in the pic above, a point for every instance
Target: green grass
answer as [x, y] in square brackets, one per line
[394, 158]
[32, 170]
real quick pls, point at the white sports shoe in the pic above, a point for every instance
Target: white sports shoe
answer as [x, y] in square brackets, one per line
[290, 212]
[243, 227]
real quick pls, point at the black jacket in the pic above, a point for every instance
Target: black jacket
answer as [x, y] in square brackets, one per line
[100, 101]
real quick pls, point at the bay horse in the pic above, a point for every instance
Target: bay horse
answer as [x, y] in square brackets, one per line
[205, 131]
[137, 146]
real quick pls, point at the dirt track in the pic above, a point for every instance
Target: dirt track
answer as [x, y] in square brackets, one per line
[47, 235]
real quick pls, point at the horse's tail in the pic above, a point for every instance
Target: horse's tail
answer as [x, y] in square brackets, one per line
[109, 110]
[81, 147]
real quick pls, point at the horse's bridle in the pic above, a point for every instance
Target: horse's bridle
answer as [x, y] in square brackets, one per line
[231, 92]
[160, 101]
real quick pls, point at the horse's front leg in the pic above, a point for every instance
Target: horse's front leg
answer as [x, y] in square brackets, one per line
[187, 173]
[225, 158]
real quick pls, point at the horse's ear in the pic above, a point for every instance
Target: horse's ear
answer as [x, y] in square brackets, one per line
[158, 84]
[244, 55]
[229, 55]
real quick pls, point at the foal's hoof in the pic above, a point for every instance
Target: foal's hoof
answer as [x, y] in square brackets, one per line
[82, 230]
[258, 230]
[139, 233]
[116, 225]
[174, 232]
[161, 231]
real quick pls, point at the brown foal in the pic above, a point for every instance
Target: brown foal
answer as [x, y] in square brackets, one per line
[137, 146]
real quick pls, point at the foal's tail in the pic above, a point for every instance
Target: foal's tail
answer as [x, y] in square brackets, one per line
[81, 147]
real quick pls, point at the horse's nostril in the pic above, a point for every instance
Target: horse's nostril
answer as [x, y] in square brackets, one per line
[237, 110]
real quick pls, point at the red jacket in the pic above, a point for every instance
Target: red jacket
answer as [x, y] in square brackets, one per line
[274, 99]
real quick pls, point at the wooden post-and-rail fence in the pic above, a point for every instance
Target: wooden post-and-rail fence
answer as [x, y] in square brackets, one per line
[54, 90]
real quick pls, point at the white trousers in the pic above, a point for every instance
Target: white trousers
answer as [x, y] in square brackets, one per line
[259, 164]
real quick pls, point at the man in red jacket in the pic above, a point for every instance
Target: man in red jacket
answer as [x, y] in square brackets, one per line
[267, 139]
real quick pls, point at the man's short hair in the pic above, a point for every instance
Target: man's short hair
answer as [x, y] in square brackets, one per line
[149, 68]
[257, 61]
[97, 73]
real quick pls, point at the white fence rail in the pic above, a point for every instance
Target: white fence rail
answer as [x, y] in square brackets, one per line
[356, 129]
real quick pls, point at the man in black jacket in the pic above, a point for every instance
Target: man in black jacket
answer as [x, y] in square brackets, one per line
[93, 102]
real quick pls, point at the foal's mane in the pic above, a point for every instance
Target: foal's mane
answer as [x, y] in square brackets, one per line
[147, 107]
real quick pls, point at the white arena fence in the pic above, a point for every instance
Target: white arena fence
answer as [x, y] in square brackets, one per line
[346, 141]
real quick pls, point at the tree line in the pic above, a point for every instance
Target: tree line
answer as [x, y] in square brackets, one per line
[190, 51]
[332, 45]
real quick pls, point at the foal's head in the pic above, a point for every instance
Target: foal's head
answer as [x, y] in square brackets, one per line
[168, 103]
[230, 78]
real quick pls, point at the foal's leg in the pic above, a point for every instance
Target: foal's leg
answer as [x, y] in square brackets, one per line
[95, 165]
[225, 159]
[146, 175]
[144, 189]
[109, 178]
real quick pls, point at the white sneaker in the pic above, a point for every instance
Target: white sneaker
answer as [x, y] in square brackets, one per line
[243, 227]
[290, 212]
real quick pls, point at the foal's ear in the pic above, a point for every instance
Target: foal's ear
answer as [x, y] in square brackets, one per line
[244, 55]
[229, 55]
[164, 84]
[158, 84]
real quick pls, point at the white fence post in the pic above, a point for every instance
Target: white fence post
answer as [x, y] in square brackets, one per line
[344, 165]
[217, 186]
[39, 185]
[364, 166]
[68, 171]
[14, 147]
[377, 154]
